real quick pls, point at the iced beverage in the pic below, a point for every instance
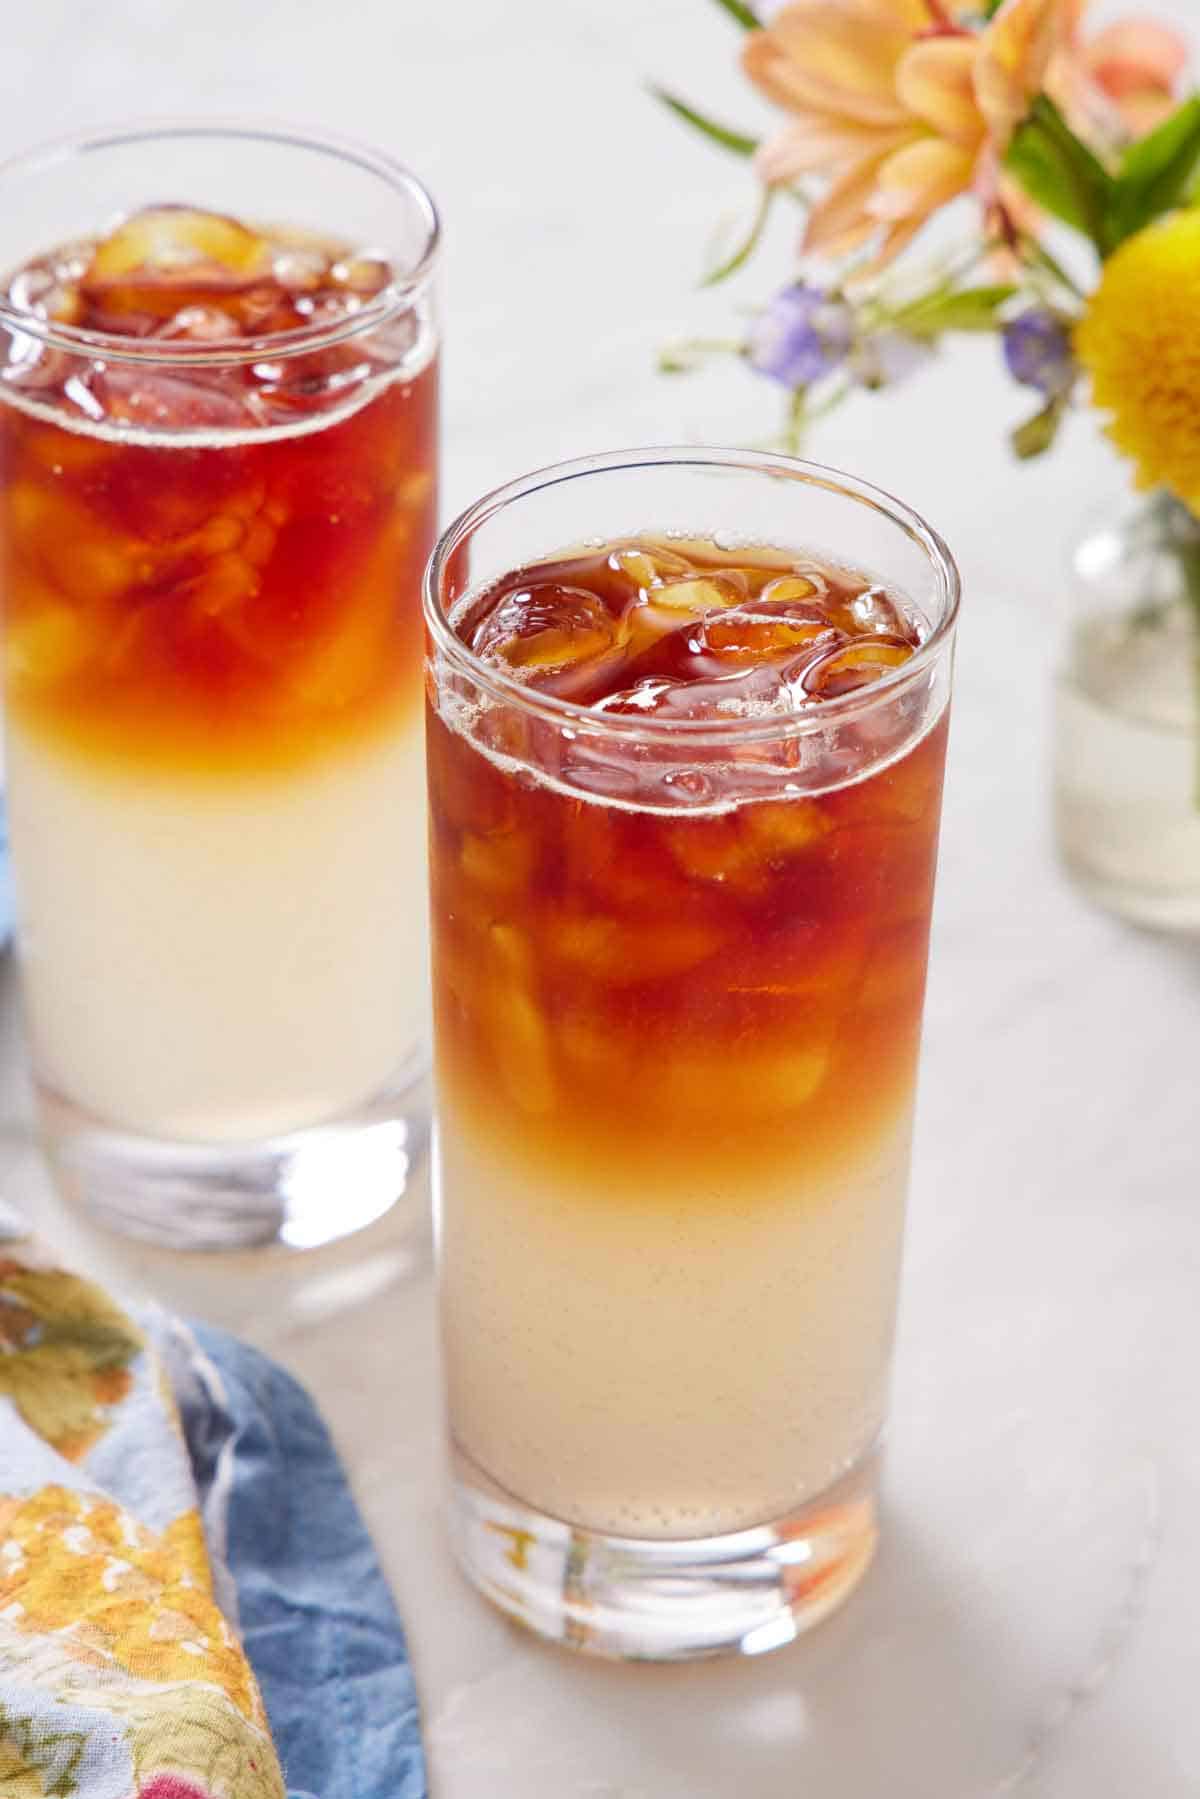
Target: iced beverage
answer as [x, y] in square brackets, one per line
[680, 953]
[217, 494]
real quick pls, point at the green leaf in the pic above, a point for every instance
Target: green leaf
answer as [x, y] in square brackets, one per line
[745, 15]
[747, 247]
[1156, 173]
[1040, 259]
[1059, 171]
[720, 134]
[991, 8]
[964, 309]
[1037, 434]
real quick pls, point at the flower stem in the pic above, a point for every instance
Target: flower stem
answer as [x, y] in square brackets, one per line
[1189, 563]
[1175, 530]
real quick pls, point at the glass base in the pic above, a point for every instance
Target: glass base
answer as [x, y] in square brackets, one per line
[301, 1190]
[649, 1599]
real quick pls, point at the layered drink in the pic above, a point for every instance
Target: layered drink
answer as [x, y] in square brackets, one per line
[679, 961]
[217, 494]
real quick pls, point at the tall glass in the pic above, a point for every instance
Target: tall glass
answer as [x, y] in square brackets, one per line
[678, 978]
[211, 548]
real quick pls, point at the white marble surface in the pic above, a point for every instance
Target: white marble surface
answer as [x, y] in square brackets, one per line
[1031, 1626]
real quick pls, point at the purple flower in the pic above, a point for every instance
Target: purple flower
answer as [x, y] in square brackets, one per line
[803, 334]
[1038, 353]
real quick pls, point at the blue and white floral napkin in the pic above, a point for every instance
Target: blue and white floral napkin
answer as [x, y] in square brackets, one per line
[190, 1606]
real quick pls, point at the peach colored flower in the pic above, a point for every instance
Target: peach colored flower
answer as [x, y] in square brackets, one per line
[1119, 83]
[1137, 65]
[899, 102]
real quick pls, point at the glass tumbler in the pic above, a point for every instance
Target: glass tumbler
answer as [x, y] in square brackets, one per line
[679, 967]
[218, 442]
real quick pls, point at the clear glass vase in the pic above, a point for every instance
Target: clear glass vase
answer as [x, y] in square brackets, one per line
[1127, 744]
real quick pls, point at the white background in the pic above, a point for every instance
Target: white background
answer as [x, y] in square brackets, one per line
[1031, 1626]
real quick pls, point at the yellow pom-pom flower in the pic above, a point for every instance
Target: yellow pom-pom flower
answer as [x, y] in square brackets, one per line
[1140, 342]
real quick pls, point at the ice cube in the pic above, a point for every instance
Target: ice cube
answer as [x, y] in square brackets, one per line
[644, 697]
[854, 665]
[624, 952]
[519, 1033]
[502, 861]
[151, 398]
[25, 362]
[591, 1045]
[752, 632]
[326, 309]
[39, 290]
[873, 611]
[300, 269]
[264, 310]
[363, 275]
[672, 605]
[760, 1082]
[784, 828]
[789, 590]
[745, 692]
[199, 325]
[521, 1049]
[546, 627]
[173, 242]
[57, 450]
[52, 532]
[717, 850]
[307, 383]
[49, 643]
[222, 587]
[647, 568]
[696, 595]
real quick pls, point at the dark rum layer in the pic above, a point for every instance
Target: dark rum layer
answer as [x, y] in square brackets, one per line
[183, 585]
[622, 989]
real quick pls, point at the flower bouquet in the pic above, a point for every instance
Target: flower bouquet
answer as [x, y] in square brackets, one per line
[1077, 155]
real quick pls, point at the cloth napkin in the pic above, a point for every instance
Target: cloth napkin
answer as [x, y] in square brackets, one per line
[190, 1606]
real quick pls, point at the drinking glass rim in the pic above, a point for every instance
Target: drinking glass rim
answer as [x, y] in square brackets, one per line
[501, 685]
[395, 298]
